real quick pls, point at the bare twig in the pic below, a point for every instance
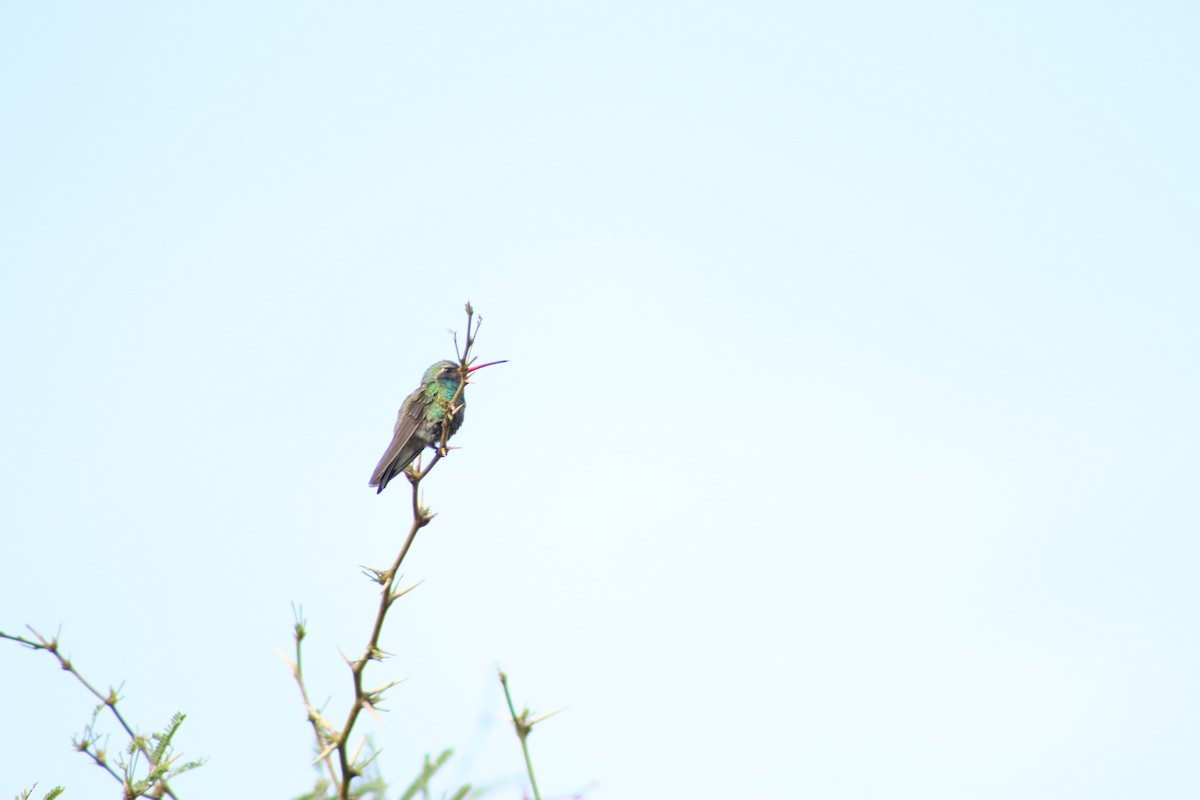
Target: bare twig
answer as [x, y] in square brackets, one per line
[325, 733]
[524, 726]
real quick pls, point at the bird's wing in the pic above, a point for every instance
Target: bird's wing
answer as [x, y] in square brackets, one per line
[404, 447]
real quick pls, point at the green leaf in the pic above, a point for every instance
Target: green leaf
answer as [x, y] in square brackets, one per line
[427, 772]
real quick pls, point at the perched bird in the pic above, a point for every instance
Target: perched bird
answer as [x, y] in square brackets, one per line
[419, 423]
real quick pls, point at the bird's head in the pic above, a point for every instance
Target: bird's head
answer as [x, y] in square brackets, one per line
[448, 373]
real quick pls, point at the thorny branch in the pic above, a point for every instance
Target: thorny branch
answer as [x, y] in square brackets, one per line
[330, 739]
[523, 725]
[160, 765]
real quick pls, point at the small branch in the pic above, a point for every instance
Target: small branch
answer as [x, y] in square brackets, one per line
[524, 726]
[321, 729]
[451, 407]
[158, 766]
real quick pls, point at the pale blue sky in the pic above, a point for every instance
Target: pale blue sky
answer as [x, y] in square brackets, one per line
[848, 446]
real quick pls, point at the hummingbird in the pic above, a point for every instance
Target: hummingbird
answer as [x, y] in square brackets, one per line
[419, 423]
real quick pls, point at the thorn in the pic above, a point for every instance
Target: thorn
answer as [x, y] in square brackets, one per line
[288, 661]
[398, 594]
[378, 692]
[325, 753]
[371, 710]
[547, 715]
[379, 576]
